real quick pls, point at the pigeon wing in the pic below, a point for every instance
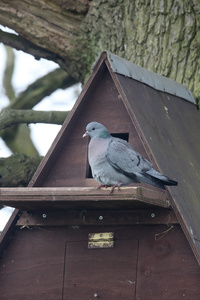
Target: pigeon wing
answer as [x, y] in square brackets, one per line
[121, 155]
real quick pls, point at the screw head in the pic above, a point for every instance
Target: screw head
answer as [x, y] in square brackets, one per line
[100, 218]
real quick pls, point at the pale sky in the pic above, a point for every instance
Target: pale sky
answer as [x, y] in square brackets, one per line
[28, 69]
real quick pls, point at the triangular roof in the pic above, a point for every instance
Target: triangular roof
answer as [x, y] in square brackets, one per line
[165, 119]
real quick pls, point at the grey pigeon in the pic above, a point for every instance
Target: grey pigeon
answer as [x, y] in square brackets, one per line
[114, 162]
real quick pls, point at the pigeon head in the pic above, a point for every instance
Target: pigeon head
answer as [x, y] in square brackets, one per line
[96, 130]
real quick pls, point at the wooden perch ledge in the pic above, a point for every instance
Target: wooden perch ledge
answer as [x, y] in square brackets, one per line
[36, 198]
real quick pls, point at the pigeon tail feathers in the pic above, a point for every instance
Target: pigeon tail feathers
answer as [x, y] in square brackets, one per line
[145, 178]
[165, 180]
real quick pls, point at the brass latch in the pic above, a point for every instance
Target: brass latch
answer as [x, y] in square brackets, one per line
[101, 240]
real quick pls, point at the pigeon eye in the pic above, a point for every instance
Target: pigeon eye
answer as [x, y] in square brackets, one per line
[93, 128]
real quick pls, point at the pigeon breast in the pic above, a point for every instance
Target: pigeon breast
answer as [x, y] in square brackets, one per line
[102, 170]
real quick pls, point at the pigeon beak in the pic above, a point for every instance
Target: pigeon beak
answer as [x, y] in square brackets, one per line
[85, 134]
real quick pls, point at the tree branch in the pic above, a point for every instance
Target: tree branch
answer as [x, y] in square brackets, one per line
[8, 73]
[18, 169]
[20, 43]
[41, 88]
[9, 117]
[17, 138]
[48, 29]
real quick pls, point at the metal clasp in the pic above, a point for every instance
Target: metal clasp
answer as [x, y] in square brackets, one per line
[101, 240]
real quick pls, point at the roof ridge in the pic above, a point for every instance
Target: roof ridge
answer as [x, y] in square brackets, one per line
[161, 83]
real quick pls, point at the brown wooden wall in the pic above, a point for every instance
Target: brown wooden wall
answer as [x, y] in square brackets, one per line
[147, 262]
[67, 166]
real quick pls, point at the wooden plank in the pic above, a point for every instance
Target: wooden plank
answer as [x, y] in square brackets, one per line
[61, 153]
[66, 161]
[32, 266]
[37, 191]
[164, 262]
[97, 217]
[172, 146]
[7, 231]
[55, 263]
[101, 273]
[41, 198]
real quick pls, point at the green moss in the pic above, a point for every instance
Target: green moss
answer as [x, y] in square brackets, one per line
[160, 36]
[17, 170]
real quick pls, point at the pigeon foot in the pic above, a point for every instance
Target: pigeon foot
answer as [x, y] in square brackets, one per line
[100, 186]
[114, 186]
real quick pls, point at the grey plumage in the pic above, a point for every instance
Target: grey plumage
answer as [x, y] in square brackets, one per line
[114, 162]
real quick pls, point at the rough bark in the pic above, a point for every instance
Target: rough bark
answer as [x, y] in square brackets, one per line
[24, 166]
[48, 27]
[162, 36]
[20, 164]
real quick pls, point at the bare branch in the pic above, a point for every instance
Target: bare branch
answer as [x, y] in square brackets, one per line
[41, 88]
[20, 43]
[9, 117]
[8, 73]
[18, 139]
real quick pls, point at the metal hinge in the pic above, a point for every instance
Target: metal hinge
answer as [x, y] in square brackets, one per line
[101, 240]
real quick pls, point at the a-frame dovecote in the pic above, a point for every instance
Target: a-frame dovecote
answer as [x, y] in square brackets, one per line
[154, 234]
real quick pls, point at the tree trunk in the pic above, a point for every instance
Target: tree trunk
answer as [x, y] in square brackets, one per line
[46, 29]
[162, 36]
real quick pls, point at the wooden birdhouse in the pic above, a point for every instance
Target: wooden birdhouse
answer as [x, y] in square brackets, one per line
[67, 240]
